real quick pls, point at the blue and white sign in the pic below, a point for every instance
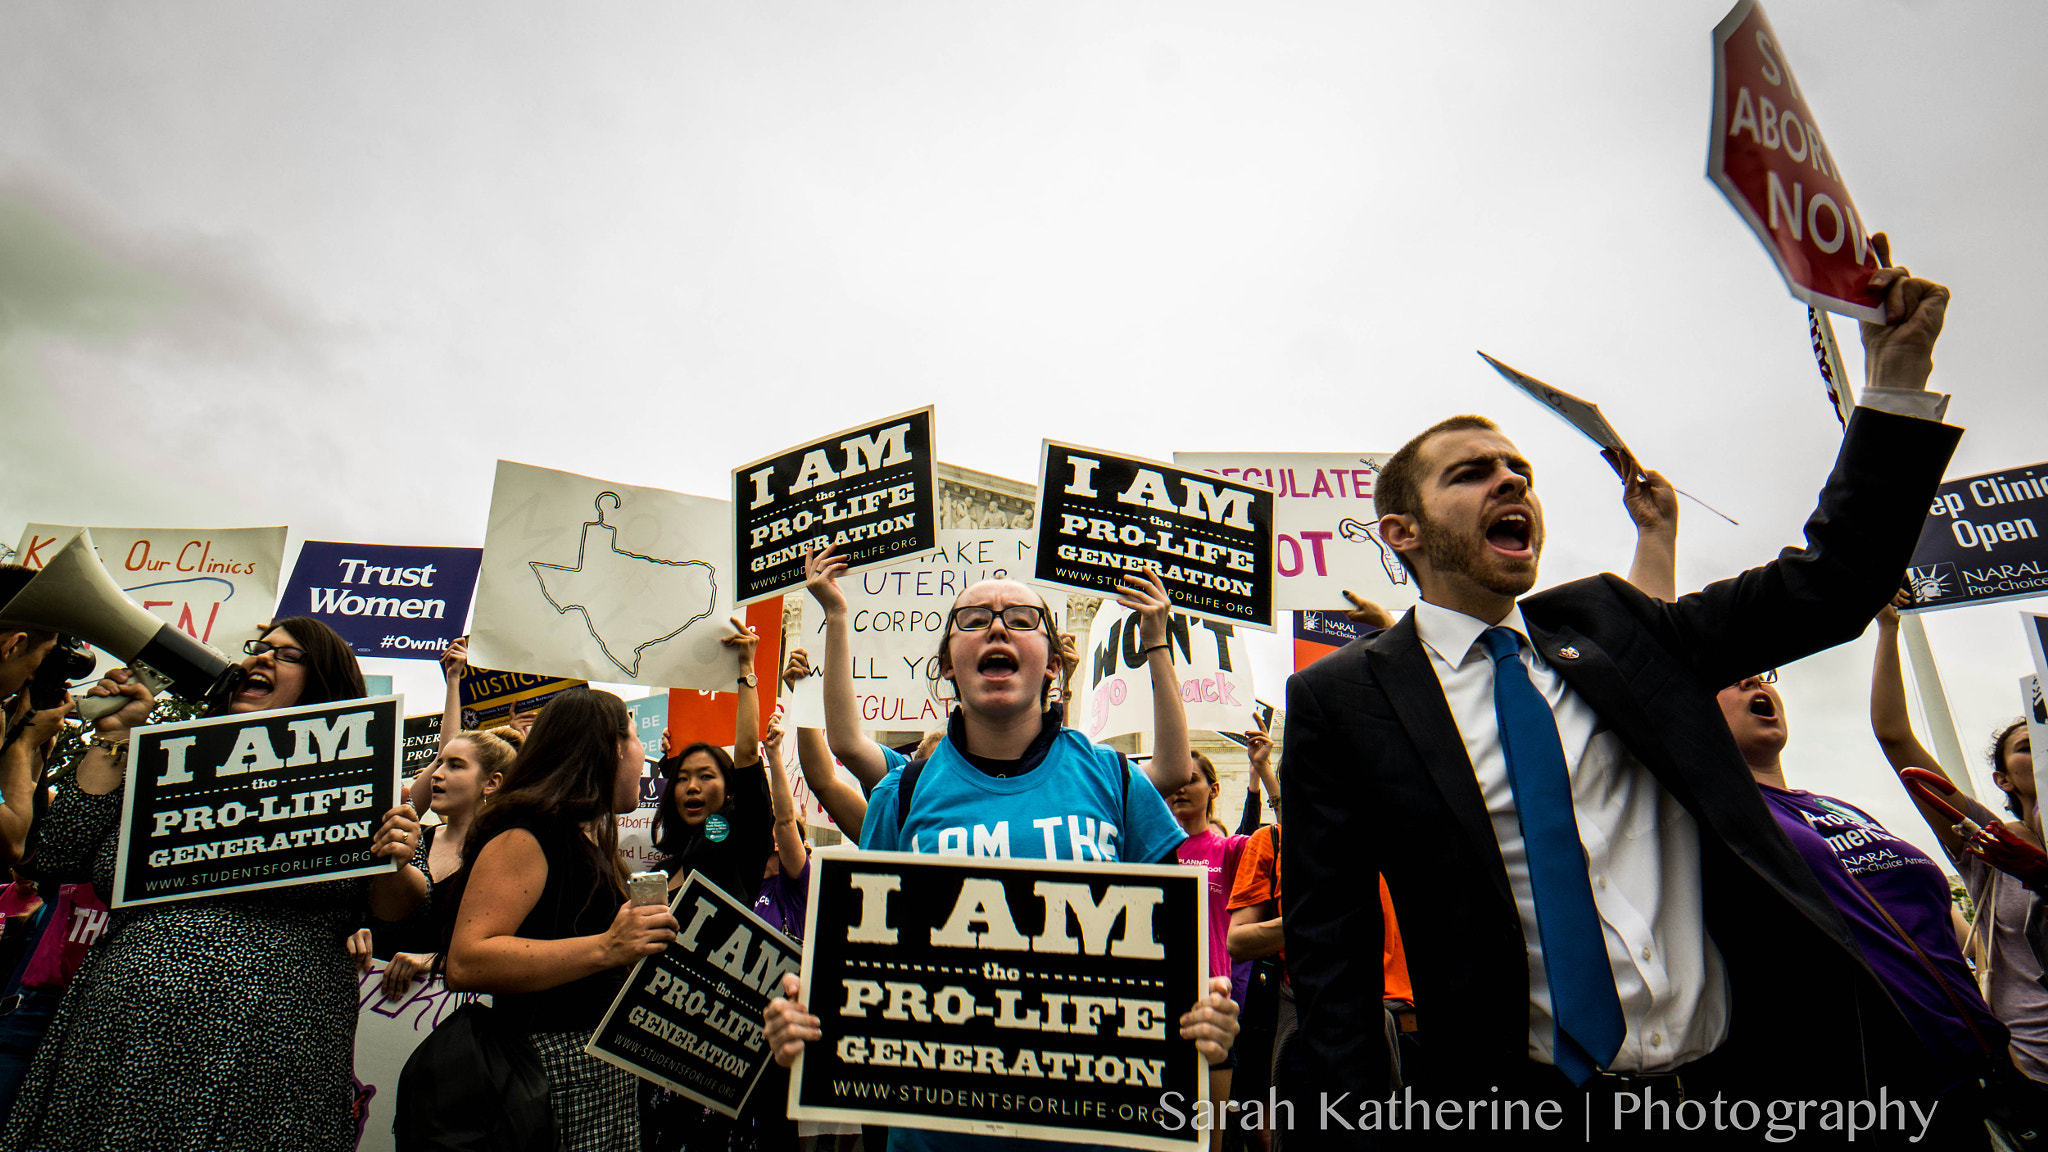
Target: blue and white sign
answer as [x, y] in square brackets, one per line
[1983, 541]
[385, 599]
[650, 720]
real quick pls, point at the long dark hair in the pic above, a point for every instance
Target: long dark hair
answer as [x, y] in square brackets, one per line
[329, 665]
[565, 773]
[735, 863]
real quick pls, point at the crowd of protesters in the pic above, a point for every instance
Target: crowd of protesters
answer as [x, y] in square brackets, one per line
[1543, 846]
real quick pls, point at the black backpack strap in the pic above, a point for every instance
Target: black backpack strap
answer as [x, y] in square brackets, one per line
[906, 786]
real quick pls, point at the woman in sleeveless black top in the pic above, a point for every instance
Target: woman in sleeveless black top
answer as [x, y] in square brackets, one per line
[543, 923]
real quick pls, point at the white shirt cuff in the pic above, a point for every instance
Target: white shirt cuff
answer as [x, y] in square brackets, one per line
[1916, 403]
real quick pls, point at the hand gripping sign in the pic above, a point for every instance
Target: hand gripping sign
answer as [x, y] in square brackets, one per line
[1768, 158]
[262, 800]
[689, 1016]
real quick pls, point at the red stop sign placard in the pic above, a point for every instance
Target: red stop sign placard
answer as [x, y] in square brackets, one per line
[1768, 158]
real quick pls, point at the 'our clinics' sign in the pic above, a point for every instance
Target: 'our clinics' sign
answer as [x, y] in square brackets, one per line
[1326, 531]
[689, 1017]
[216, 585]
[1767, 157]
[1983, 541]
[871, 490]
[1209, 537]
[384, 599]
[1001, 997]
[262, 800]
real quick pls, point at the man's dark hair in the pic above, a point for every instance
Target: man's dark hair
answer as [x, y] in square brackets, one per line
[1398, 490]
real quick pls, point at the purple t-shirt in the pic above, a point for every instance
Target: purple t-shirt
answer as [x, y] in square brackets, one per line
[1839, 840]
[784, 901]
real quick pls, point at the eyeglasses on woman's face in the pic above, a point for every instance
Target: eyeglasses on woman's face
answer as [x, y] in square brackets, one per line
[1016, 617]
[283, 655]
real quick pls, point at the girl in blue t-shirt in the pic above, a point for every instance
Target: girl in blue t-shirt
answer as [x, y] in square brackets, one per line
[1010, 779]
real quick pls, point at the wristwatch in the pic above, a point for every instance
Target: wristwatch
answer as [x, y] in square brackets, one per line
[749, 680]
[102, 740]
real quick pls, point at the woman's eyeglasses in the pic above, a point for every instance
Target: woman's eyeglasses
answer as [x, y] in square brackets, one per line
[283, 655]
[1016, 618]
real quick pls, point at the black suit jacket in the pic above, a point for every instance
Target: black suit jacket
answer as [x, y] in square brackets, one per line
[1378, 781]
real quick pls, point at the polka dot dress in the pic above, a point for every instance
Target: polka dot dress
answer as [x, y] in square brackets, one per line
[221, 1023]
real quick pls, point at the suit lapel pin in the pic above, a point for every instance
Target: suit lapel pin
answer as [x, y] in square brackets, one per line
[1568, 653]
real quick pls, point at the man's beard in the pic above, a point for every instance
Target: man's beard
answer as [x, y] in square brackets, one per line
[1449, 552]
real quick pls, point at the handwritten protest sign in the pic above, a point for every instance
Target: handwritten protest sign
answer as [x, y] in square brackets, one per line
[1209, 659]
[689, 1016]
[871, 490]
[1767, 157]
[1001, 997]
[384, 599]
[217, 585]
[261, 800]
[895, 616]
[1983, 541]
[1209, 537]
[603, 581]
[1327, 533]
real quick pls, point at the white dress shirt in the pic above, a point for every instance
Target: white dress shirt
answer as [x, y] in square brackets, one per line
[1642, 855]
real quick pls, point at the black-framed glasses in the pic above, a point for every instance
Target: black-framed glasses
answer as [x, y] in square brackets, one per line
[1767, 677]
[283, 655]
[1016, 617]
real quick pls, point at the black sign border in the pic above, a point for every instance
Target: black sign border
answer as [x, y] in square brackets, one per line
[152, 732]
[928, 474]
[692, 884]
[823, 858]
[1045, 544]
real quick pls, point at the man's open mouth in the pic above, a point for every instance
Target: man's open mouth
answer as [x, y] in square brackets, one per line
[1511, 532]
[1762, 705]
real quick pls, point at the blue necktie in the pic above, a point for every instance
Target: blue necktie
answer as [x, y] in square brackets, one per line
[1583, 1005]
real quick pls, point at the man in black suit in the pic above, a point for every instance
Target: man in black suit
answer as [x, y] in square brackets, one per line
[1637, 838]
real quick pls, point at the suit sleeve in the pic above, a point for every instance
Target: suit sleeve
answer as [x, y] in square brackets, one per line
[1858, 542]
[1333, 928]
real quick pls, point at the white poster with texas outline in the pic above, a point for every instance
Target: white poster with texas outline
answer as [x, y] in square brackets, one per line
[608, 582]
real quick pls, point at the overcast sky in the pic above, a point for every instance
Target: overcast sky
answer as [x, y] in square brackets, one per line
[322, 264]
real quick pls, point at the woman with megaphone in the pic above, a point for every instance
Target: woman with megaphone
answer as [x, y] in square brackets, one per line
[217, 1022]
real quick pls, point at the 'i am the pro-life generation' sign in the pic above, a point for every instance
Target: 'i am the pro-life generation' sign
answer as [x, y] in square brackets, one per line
[1002, 997]
[871, 490]
[689, 1017]
[1101, 516]
[260, 800]
[1983, 541]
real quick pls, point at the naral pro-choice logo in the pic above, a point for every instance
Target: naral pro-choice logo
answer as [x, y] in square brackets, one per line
[1931, 583]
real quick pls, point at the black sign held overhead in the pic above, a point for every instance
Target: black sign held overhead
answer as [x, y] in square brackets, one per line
[261, 800]
[871, 490]
[422, 744]
[689, 1017]
[1984, 541]
[1003, 997]
[1209, 537]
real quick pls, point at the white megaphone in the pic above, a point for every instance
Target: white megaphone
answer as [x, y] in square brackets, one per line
[73, 594]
